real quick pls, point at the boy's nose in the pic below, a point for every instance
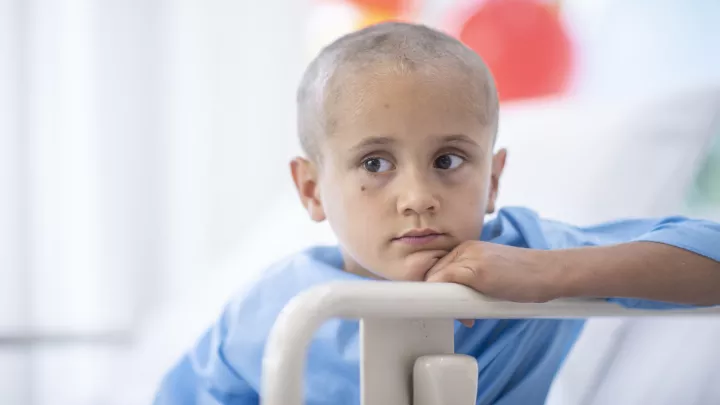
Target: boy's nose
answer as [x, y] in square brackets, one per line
[417, 198]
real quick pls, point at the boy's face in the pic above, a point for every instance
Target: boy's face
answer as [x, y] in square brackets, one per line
[406, 174]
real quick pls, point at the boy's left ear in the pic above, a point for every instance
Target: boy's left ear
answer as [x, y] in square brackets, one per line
[498, 165]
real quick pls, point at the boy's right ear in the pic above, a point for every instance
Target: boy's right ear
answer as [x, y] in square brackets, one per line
[305, 177]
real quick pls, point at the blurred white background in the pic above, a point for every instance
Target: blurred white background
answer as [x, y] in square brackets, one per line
[143, 169]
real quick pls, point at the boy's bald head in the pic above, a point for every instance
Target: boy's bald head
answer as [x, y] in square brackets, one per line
[400, 47]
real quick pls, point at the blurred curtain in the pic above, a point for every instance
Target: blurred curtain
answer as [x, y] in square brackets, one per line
[138, 138]
[82, 184]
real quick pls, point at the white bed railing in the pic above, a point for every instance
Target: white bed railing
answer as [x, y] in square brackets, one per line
[403, 326]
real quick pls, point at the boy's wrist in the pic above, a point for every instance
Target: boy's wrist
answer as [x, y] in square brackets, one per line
[590, 272]
[568, 275]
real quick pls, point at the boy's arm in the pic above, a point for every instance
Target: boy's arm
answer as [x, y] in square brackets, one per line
[675, 260]
[644, 270]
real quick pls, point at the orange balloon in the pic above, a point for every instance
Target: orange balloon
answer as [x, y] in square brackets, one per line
[525, 46]
[387, 6]
[370, 17]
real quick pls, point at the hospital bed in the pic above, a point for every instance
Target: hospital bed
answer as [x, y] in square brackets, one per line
[574, 162]
[406, 342]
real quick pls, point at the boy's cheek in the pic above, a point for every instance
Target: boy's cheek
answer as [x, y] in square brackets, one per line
[469, 199]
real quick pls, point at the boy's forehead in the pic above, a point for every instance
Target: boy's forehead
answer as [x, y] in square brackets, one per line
[336, 87]
[387, 102]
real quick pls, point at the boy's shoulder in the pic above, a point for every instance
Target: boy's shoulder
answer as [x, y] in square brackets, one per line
[256, 306]
[289, 276]
[516, 226]
[250, 315]
[307, 268]
[228, 356]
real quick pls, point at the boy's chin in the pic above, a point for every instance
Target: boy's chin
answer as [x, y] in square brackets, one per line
[416, 265]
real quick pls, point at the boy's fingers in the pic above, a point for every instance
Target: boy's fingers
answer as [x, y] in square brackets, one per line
[446, 271]
[446, 276]
[441, 264]
[452, 273]
[468, 322]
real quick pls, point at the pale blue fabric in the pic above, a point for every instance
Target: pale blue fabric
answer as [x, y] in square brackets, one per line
[518, 359]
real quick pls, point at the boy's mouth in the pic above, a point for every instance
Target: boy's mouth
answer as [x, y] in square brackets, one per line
[418, 236]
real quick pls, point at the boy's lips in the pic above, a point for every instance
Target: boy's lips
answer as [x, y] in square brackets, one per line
[417, 237]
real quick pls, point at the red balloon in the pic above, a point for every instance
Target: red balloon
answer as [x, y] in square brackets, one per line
[389, 6]
[525, 46]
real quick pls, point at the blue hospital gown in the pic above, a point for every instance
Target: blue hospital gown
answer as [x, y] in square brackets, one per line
[517, 359]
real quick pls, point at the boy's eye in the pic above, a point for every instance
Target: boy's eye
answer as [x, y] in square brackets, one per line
[377, 165]
[448, 162]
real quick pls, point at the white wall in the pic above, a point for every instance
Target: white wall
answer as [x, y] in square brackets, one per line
[14, 370]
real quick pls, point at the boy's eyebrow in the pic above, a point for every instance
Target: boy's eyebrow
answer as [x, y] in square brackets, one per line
[386, 140]
[460, 138]
[373, 141]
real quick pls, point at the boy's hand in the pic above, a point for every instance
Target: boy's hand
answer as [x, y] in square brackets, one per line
[640, 270]
[501, 272]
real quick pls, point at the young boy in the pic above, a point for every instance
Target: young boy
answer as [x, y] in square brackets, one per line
[398, 123]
